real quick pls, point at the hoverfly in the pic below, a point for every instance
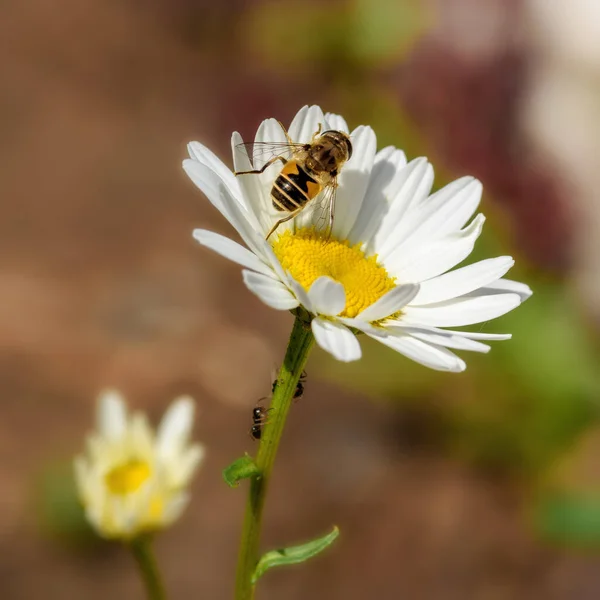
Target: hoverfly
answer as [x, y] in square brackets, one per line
[308, 169]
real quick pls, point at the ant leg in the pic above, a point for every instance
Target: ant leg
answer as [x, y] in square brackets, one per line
[281, 221]
[265, 166]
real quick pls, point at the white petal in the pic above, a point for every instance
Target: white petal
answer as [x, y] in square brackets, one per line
[481, 336]
[241, 160]
[175, 508]
[232, 251]
[443, 213]
[384, 178]
[175, 427]
[437, 257]
[466, 334]
[433, 357]
[506, 285]
[112, 414]
[301, 295]
[413, 186]
[306, 123]
[336, 339]
[353, 181]
[208, 182]
[185, 464]
[269, 131]
[363, 326]
[461, 311]
[448, 339]
[336, 122]
[253, 189]
[390, 303]
[271, 292]
[327, 297]
[245, 226]
[462, 281]
[202, 154]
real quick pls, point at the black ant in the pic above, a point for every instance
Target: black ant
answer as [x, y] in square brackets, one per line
[260, 416]
[299, 391]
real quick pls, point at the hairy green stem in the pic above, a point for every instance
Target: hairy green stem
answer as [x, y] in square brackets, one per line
[300, 344]
[141, 547]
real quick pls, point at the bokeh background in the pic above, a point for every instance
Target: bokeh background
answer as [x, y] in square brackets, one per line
[482, 485]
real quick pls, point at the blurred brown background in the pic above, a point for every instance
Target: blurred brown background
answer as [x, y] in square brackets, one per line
[482, 485]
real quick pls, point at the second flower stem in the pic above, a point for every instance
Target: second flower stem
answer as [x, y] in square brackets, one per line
[300, 344]
[141, 548]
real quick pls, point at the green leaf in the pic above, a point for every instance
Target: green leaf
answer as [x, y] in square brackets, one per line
[293, 555]
[242, 468]
[58, 511]
[570, 519]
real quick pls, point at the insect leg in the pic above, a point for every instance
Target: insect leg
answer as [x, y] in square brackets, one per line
[281, 221]
[317, 132]
[265, 166]
[289, 139]
[332, 208]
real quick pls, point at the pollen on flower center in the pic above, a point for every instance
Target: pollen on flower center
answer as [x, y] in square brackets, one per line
[308, 256]
[128, 477]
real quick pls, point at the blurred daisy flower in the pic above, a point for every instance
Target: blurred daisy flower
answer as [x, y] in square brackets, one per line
[384, 269]
[131, 481]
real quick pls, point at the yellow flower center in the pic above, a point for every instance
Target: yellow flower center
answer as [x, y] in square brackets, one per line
[308, 256]
[127, 478]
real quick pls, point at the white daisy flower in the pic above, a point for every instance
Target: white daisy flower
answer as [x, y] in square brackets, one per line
[384, 269]
[131, 481]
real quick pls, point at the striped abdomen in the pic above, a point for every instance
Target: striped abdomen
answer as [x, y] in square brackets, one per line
[293, 188]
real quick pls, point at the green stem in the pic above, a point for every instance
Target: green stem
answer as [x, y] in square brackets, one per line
[300, 344]
[141, 548]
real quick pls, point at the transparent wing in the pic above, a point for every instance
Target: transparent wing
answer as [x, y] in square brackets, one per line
[323, 209]
[268, 150]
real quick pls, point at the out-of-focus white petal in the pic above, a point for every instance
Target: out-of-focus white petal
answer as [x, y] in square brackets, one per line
[175, 427]
[390, 303]
[327, 297]
[271, 292]
[174, 509]
[336, 339]
[112, 414]
[185, 464]
[129, 475]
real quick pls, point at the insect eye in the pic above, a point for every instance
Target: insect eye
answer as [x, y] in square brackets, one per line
[349, 144]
